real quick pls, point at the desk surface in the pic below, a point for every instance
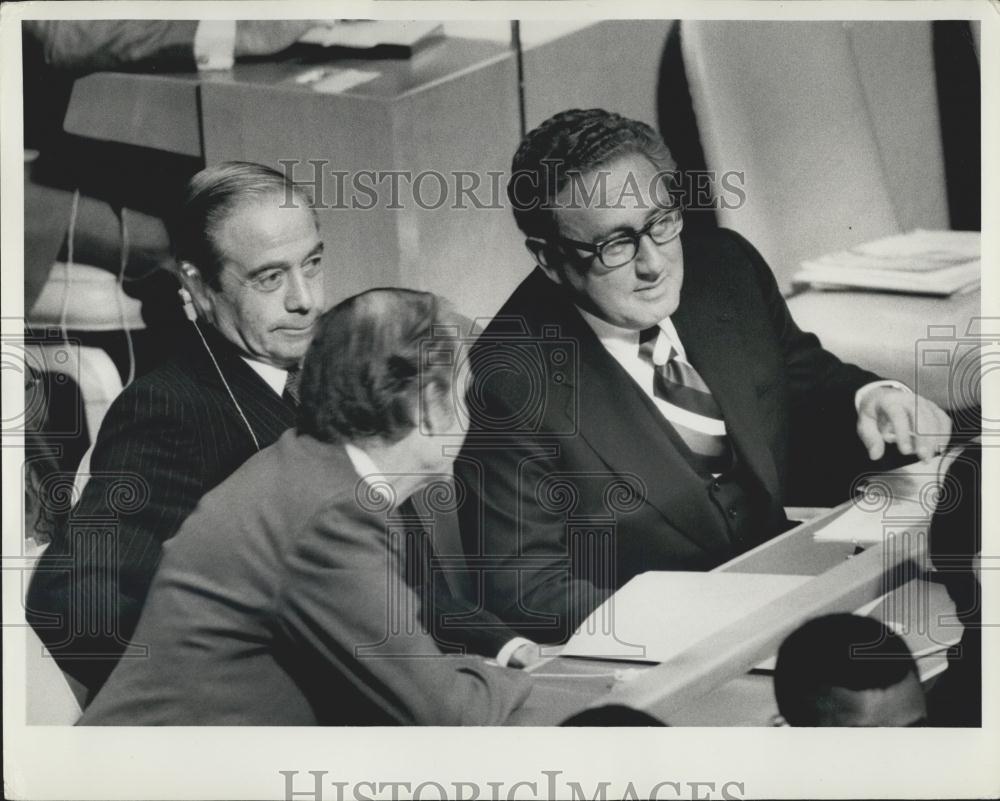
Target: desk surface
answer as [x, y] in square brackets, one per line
[889, 334]
[163, 110]
[564, 686]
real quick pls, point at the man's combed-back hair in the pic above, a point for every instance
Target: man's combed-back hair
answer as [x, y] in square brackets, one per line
[371, 358]
[572, 143]
[838, 650]
[211, 197]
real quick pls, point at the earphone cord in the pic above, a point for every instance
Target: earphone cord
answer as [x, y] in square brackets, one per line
[226, 385]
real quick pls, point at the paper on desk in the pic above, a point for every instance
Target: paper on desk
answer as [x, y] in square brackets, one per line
[922, 243]
[922, 262]
[906, 495]
[922, 613]
[658, 614]
[867, 526]
[341, 80]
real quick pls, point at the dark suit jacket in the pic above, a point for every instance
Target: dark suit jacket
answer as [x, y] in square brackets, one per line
[169, 438]
[594, 489]
[275, 605]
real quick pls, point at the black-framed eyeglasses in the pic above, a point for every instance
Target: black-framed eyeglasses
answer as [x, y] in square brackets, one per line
[620, 249]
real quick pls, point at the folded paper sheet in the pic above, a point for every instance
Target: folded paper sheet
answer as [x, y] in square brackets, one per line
[658, 614]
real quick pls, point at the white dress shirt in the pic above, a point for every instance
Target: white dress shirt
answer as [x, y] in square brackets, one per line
[215, 44]
[273, 376]
[623, 345]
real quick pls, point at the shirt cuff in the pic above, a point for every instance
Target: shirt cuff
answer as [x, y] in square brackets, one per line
[215, 44]
[885, 382]
[508, 650]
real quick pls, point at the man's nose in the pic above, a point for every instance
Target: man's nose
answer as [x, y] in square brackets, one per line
[651, 259]
[299, 296]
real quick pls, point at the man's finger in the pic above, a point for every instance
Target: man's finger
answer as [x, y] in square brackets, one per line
[901, 427]
[870, 436]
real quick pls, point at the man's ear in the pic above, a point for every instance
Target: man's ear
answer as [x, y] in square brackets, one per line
[437, 408]
[543, 256]
[194, 285]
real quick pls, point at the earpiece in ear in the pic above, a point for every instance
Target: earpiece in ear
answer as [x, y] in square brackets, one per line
[188, 301]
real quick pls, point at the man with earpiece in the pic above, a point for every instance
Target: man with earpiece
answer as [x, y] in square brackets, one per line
[251, 267]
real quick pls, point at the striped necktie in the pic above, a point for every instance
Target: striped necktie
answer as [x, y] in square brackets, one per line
[291, 393]
[691, 409]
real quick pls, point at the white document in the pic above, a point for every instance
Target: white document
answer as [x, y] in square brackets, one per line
[658, 614]
[922, 613]
[905, 496]
[337, 81]
[921, 262]
[866, 525]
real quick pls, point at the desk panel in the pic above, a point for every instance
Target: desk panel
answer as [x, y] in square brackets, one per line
[158, 111]
[889, 335]
[448, 109]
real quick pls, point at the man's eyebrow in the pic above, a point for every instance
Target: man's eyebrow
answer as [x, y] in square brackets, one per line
[284, 264]
[628, 229]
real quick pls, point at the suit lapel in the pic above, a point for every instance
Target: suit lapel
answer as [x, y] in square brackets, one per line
[618, 423]
[267, 413]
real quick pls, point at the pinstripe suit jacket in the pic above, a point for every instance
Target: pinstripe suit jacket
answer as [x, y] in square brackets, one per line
[168, 439]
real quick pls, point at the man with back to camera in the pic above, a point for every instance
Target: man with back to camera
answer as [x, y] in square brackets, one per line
[272, 605]
[639, 392]
[252, 268]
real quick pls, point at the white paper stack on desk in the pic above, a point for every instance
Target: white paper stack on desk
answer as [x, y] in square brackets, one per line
[920, 262]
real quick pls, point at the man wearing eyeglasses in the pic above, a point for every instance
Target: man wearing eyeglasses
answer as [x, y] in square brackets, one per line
[638, 394]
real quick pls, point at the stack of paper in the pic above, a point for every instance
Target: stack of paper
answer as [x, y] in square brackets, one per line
[919, 262]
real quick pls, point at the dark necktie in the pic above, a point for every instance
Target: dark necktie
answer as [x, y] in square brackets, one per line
[291, 393]
[678, 384]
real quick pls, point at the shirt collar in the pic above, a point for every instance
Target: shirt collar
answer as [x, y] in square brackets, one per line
[363, 464]
[617, 339]
[273, 376]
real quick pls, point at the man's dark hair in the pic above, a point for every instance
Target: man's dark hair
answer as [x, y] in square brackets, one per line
[841, 650]
[566, 146]
[370, 360]
[211, 197]
[612, 715]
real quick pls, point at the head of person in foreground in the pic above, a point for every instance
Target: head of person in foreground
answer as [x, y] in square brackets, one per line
[847, 670]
